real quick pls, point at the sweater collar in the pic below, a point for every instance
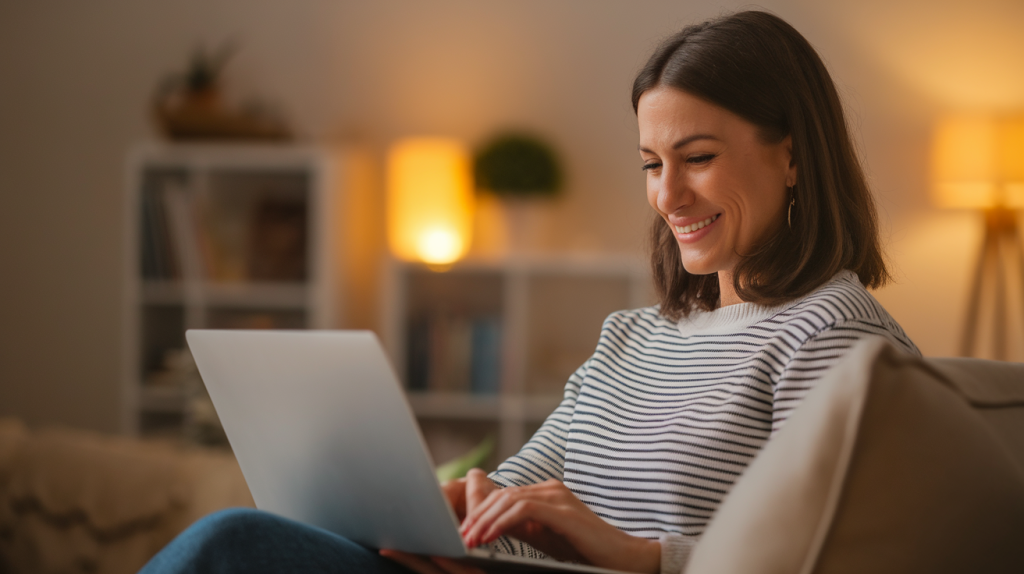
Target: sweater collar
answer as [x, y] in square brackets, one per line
[735, 318]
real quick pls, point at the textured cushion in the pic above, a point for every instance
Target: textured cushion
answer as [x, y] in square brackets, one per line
[892, 464]
[76, 501]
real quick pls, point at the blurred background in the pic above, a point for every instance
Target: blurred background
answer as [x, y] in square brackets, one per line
[76, 82]
[346, 80]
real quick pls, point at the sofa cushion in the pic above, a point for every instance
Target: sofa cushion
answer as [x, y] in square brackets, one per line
[78, 501]
[892, 464]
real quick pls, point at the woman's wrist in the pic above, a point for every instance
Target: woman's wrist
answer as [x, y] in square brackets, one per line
[646, 555]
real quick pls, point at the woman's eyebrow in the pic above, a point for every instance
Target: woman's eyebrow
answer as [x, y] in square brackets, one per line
[684, 141]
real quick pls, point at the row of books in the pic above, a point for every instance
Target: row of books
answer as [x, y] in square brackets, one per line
[448, 353]
[182, 237]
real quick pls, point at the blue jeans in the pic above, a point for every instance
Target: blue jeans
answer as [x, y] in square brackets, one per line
[246, 540]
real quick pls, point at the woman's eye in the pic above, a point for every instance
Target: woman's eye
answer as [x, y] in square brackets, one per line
[703, 158]
[649, 166]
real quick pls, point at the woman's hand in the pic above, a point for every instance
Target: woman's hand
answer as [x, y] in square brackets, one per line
[465, 493]
[549, 517]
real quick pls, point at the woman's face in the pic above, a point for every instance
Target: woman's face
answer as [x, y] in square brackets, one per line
[711, 178]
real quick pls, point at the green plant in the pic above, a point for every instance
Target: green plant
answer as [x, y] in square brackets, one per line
[204, 67]
[460, 466]
[518, 165]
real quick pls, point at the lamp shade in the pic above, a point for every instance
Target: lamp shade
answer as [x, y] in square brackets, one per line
[978, 162]
[430, 200]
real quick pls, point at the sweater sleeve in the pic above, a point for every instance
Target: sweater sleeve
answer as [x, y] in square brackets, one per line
[543, 457]
[820, 352]
[675, 552]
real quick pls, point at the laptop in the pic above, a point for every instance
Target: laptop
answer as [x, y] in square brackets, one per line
[324, 435]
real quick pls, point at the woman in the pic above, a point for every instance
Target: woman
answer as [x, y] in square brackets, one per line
[764, 242]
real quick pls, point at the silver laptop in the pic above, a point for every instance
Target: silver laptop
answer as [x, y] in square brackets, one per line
[323, 434]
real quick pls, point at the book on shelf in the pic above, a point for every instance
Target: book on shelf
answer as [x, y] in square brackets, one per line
[277, 250]
[184, 231]
[187, 235]
[451, 353]
[159, 258]
[485, 364]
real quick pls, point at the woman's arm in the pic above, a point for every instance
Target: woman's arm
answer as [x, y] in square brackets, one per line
[543, 456]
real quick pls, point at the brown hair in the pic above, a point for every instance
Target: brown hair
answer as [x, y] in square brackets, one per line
[760, 68]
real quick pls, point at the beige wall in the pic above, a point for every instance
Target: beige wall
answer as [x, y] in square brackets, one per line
[75, 79]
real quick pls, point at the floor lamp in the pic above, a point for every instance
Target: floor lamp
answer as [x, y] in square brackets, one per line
[978, 163]
[1002, 243]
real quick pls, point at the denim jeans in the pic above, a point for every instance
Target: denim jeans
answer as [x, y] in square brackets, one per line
[251, 541]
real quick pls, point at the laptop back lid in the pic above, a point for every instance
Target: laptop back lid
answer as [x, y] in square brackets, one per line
[324, 435]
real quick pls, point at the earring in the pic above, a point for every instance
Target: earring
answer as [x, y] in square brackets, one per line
[789, 213]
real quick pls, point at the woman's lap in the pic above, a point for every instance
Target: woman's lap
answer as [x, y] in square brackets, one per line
[246, 540]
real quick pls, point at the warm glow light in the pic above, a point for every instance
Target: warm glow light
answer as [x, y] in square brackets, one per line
[430, 200]
[439, 246]
[978, 162]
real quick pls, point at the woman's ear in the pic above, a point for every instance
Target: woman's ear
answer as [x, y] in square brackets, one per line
[787, 146]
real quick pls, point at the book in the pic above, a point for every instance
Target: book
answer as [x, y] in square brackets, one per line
[485, 361]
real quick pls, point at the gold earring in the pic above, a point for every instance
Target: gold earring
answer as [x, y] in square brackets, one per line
[789, 214]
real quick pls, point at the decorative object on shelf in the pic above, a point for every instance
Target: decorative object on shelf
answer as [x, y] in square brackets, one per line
[521, 171]
[190, 105]
[978, 163]
[430, 200]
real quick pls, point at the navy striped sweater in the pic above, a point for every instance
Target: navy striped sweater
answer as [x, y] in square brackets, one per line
[659, 423]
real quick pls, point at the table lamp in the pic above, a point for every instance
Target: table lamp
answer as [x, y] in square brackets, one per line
[978, 163]
[430, 200]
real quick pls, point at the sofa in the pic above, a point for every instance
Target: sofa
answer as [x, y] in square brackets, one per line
[892, 463]
[75, 501]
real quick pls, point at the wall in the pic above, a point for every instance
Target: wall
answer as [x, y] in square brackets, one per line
[75, 79]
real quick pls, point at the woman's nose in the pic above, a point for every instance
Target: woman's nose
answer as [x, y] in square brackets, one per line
[674, 194]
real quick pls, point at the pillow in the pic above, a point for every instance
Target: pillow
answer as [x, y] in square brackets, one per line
[892, 464]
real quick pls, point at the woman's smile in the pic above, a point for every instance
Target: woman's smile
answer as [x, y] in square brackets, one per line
[690, 229]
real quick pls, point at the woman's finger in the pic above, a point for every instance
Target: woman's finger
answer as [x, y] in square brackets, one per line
[546, 515]
[455, 492]
[549, 491]
[492, 507]
[478, 486]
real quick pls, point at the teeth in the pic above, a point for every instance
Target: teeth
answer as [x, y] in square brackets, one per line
[695, 226]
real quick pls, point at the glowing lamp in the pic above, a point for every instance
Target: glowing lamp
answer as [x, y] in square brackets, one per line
[978, 163]
[430, 200]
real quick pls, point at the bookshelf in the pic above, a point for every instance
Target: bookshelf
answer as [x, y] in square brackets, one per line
[219, 236]
[544, 314]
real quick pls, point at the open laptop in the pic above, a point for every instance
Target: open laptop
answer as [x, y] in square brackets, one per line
[323, 434]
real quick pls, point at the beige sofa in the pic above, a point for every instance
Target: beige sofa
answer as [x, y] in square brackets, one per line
[891, 464]
[75, 501]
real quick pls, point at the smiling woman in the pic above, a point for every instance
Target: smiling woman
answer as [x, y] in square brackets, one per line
[719, 187]
[752, 81]
[763, 246]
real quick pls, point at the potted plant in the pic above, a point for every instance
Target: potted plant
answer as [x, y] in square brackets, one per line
[523, 173]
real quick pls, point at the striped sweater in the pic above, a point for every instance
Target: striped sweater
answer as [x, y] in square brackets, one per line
[658, 424]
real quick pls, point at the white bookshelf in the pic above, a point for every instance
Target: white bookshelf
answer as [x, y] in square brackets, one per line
[550, 310]
[246, 239]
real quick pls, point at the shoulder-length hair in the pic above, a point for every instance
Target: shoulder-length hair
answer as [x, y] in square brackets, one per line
[760, 68]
